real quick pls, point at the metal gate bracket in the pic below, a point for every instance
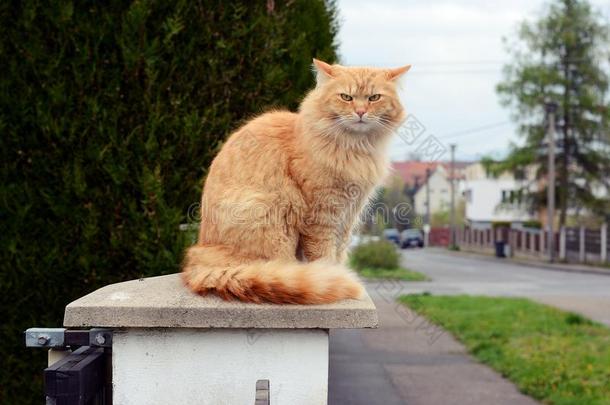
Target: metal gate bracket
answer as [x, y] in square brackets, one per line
[45, 337]
[62, 337]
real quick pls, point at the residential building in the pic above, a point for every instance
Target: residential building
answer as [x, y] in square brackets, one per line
[494, 199]
[440, 192]
[413, 175]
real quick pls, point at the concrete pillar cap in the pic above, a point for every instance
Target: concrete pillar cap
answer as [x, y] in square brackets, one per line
[164, 302]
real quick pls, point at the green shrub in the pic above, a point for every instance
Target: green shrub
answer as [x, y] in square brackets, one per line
[110, 113]
[375, 255]
[532, 224]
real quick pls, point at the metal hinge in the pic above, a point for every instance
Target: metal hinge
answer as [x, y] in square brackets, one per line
[62, 337]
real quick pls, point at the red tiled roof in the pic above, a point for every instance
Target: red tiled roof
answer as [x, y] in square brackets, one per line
[458, 165]
[413, 172]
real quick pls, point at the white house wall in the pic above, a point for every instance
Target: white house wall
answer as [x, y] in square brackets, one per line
[484, 201]
[440, 194]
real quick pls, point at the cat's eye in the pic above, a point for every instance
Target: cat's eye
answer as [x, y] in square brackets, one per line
[346, 97]
[375, 97]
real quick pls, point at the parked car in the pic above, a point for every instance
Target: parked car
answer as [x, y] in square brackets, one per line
[392, 235]
[357, 240]
[411, 238]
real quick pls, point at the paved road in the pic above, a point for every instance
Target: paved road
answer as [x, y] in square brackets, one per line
[408, 361]
[455, 273]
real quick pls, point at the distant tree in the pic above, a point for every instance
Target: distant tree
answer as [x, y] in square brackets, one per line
[563, 56]
[398, 205]
[442, 218]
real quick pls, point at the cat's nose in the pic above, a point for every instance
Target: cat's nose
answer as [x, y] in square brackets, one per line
[360, 112]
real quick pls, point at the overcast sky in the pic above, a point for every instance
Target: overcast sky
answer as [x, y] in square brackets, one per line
[457, 54]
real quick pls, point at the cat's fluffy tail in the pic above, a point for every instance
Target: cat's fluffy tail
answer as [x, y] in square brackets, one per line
[216, 269]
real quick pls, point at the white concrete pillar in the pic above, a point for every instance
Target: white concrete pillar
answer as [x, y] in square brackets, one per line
[171, 346]
[562, 243]
[219, 366]
[603, 254]
[541, 246]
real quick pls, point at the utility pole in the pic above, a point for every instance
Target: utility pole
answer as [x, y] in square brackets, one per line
[428, 171]
[452, 211]
[551, 108]
[427, 224]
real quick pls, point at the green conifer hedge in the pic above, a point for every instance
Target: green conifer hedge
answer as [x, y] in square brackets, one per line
[110, 113]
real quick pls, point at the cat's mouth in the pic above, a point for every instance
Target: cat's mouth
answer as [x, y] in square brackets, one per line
[360, 126]
[354, 125]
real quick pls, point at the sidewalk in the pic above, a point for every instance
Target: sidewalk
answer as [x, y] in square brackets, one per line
[573, 268]
[409, 361]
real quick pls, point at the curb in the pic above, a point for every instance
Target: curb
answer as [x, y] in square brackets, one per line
[567, 268]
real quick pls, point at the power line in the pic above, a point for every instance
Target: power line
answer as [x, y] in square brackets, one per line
[460, 62]
[466, 132]
[475, 130]
[485, 66]
[455, 72]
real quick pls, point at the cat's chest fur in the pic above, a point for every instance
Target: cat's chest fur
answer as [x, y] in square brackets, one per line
[340, 187]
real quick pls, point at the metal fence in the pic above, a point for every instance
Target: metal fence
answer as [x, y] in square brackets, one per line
[572, 244]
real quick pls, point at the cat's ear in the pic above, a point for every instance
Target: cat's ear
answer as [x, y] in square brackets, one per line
[323, 70]
[394, 74]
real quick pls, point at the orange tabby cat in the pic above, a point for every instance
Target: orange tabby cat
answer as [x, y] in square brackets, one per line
[284, 193]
